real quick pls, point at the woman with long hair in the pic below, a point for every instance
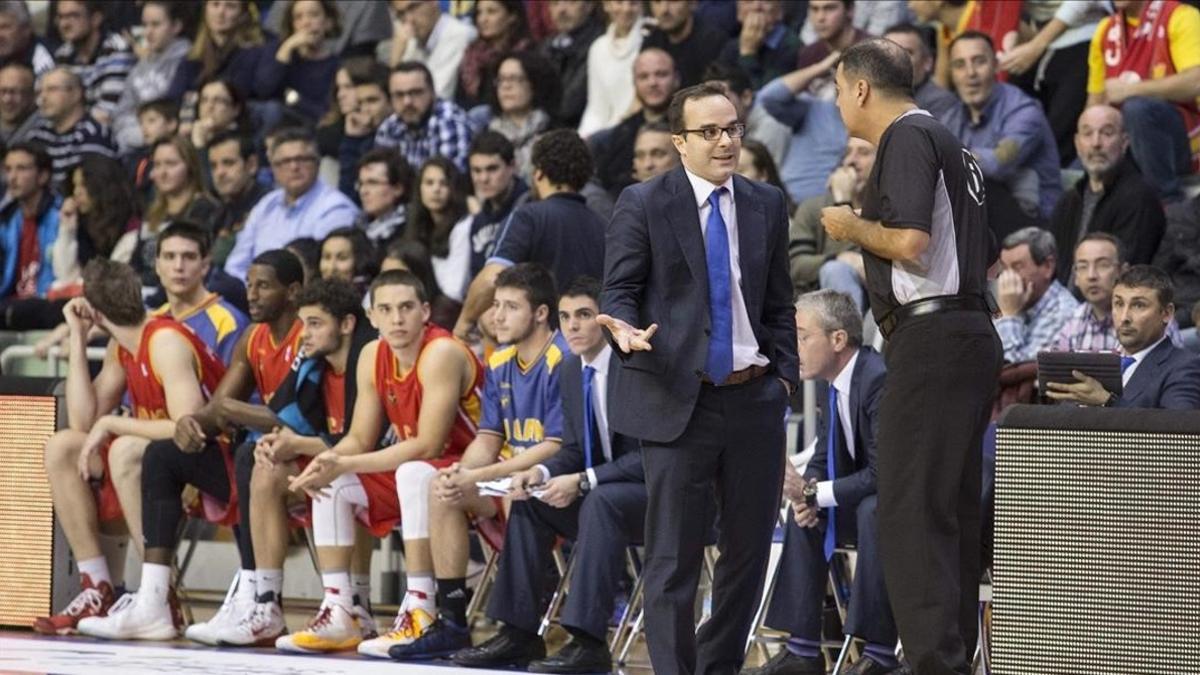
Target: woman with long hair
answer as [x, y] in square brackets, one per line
[438, 218]
[229, 44]
[526, 93]
[307, 55]
[347, 254]
[502, 28]
[95, 219]
[179, 194]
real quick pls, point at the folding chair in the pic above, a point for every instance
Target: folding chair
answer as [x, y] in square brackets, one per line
[491, 534]
[565, 567]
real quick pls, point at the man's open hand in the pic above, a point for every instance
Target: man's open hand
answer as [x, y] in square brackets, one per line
[628, 338]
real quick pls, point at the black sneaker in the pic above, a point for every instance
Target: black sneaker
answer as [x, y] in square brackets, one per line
[441, 639]
[576, 657]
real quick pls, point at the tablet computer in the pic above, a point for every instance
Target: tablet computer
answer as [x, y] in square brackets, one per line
[1057, 367]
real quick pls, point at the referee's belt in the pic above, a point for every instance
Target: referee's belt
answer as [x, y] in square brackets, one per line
[941, 303]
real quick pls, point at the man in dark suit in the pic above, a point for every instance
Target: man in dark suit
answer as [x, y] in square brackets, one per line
[1154, 372]
[592, 491]
[832, 507]
[699, 305]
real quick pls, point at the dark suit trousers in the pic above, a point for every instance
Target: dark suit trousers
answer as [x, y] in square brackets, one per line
[603, 524]
[942, 375]
[730, 456]
[799, 597]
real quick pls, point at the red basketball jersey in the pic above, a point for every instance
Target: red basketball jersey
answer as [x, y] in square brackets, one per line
[146, 387]
[333, 390]
[401, 395]
[271, 362]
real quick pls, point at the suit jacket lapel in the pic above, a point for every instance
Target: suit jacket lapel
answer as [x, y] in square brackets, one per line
[684, 218]
[1146, 371]
[751, 233]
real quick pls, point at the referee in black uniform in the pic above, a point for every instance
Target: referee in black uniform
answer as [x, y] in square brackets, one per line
[927, 249]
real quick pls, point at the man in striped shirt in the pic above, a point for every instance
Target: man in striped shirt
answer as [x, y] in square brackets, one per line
[102, 59]
[67, 130]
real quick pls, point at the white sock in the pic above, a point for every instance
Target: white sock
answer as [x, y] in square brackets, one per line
[421, 593]
[245, 586]
[337, 589]
[268, 581]
[361, 584]
[156, 583]
[96, 569]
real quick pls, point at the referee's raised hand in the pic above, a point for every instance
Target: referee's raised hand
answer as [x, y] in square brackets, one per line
[628, 338]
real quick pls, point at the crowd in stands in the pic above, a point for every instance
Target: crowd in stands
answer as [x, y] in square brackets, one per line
[263, 172]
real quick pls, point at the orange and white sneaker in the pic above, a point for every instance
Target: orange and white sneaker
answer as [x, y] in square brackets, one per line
[409, 626]
[333, 629]
[93, 600]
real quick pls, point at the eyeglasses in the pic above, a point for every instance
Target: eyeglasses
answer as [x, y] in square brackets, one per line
[293, 161]
[359, 185]
[511, 79]
[711, 134]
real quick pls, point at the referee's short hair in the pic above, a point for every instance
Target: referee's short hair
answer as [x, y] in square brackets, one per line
[1041, 243]
[1149, 276]
[834, 311]
[883, 64]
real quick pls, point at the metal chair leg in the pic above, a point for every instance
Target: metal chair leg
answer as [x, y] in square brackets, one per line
[483, 589]
[560, 593]
[635, 598]
[843, 654]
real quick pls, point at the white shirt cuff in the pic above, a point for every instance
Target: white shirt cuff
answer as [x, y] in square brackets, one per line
[825, 498]
[545, 472]
[591, 474]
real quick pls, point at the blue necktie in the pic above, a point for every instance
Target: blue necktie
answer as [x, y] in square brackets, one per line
[720, 306]
[589, 419]
[830, 456]
[1126, 361]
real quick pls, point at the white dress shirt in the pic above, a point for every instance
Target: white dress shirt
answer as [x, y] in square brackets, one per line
[745, 345]
[842, 383]
[442, 52]
[1137, 360]
[599, 407]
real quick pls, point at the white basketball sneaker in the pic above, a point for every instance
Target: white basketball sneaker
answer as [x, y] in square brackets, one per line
[130, 619]
[232, 611]
[262, 627]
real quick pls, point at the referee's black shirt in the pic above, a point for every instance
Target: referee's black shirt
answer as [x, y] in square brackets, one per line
[925, 179]
[559, 232]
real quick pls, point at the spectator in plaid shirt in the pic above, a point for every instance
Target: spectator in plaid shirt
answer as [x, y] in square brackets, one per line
[1033, 305]
[101, 59]
[1099, 260]
[423, 125]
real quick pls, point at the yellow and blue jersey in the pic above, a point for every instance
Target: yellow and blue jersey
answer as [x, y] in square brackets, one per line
[217, 323]
[521, 402]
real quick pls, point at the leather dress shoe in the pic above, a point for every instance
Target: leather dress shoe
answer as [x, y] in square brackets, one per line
[787, 663]
[507, 648]
[869, 666]
[576, 657]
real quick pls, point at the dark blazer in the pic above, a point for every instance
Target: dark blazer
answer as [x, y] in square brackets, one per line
[627, 451]
[855, 475]
[655, 272]
[1169, 377]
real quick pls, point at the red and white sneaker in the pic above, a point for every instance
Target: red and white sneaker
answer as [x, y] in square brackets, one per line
[93, 600]
[233, 610]
[133, 618]
[333, 629]
[260, 628]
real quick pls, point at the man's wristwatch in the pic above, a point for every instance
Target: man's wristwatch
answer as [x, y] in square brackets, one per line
[810, 495]
[585, 485]
[1112, 399]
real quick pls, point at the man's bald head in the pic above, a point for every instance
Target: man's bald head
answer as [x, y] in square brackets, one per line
[884, 65]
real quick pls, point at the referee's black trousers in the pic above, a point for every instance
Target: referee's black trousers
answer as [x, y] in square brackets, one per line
[942, 376]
